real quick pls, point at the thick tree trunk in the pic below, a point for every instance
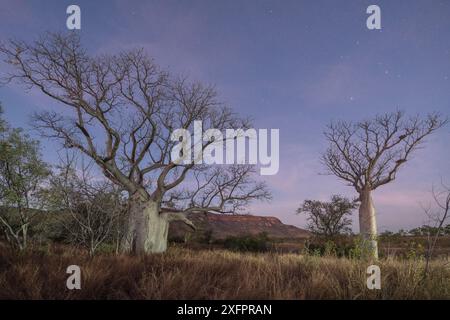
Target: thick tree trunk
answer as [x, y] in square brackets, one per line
[147, 229]
[368, 223]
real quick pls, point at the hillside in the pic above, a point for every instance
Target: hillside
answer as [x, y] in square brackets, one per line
[222, 226]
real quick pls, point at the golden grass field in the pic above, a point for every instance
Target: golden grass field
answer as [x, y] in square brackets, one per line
[219, 274]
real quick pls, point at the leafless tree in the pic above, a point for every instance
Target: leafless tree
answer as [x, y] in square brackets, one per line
[120, 111]
[91, 208]
[437, 215]
[368, 154]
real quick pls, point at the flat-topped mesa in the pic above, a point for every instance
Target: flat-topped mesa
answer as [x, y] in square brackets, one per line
[224, 225]
[243, 218]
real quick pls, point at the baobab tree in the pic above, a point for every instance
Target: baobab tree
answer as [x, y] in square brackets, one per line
[368, 154]
[120, 111]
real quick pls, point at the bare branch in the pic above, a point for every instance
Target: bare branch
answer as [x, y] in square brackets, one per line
[370, 153]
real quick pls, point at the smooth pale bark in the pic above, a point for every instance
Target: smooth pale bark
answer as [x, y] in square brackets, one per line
[147, 229]
[368, 223]
[157, 229]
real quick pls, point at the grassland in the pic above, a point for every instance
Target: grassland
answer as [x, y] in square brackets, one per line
[219, 274]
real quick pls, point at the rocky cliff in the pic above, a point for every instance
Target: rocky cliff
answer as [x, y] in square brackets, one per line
[221, 226]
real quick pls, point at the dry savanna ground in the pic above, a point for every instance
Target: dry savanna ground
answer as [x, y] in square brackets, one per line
[219, 274]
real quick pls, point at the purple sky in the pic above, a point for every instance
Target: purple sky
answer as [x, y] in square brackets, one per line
[292, 65]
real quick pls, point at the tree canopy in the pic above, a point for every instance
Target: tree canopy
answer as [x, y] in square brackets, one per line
[330, 218]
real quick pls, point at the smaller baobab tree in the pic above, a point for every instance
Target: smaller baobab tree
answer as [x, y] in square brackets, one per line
[369, 153]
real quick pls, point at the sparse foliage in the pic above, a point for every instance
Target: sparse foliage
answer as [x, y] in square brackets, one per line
[22, 172]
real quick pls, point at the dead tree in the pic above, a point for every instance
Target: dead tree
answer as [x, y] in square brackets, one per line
[120, 111]
[368, 154]
[90, 208]
[436, 216]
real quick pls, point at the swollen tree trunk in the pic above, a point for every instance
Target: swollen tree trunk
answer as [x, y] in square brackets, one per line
[147, 229]
[368, 223]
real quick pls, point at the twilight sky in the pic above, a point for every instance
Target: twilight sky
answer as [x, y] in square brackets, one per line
[292, 65]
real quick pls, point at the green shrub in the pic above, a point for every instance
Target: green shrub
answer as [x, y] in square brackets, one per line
[259, 243]
[321, 247]
[415, 251]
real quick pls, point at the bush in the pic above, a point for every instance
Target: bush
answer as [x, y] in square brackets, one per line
[339, 247]
[259, 243]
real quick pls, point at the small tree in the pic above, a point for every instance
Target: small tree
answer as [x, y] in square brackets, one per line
[437, 215]
[328, 219]
[22, 172]
[95, 207]
[368, 154]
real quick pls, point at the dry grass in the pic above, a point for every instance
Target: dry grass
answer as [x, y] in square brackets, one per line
[185, 274]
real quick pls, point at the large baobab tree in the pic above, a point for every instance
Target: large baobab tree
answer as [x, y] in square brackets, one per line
[368, 154]
[120, 111]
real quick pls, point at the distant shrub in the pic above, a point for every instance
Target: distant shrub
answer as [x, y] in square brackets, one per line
[177, 239]
[202, 236]
[340, 247]
[259, 243]
[415, 251]
[207, 236]
[357, 250]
